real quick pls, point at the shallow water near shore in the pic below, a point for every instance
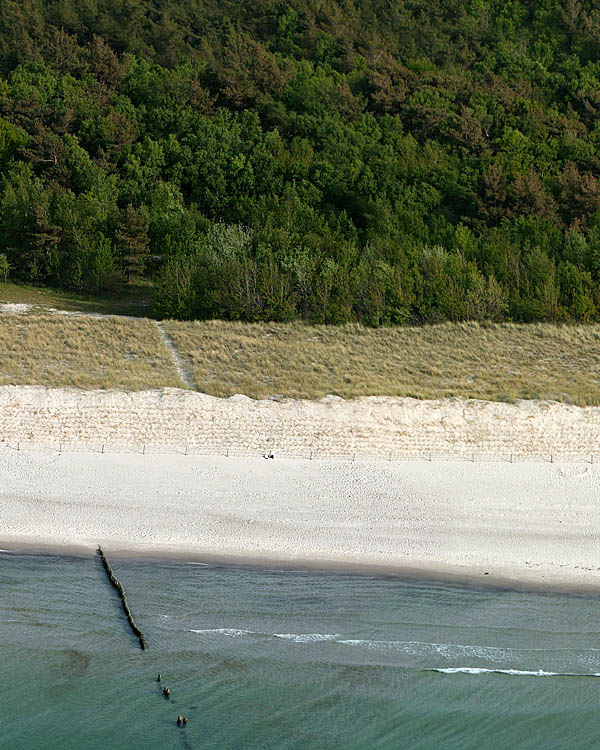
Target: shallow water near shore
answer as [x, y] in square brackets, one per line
[280, 659]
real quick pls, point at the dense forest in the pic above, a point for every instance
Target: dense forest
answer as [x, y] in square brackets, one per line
[331, 160]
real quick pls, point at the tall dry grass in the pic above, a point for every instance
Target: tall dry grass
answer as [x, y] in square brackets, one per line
[86, 352]
[495, 362]
[488, 361]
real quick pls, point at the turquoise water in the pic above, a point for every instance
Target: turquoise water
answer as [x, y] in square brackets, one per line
[268, 659]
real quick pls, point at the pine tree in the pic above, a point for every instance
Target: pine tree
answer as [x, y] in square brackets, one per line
[133, 241]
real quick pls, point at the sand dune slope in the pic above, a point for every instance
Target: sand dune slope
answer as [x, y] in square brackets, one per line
[369, 426]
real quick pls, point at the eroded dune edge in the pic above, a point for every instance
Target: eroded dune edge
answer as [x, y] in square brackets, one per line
[373, 426]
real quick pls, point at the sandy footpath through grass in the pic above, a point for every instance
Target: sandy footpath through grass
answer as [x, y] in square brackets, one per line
[526, 523]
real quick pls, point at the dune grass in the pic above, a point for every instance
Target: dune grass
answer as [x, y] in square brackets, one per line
[85, 352]
[502, 362]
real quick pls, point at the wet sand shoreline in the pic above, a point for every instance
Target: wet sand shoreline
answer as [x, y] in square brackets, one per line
[531, 526]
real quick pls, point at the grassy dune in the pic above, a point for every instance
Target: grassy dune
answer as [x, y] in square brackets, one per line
[501, 362]
[496, 362]
[86, 352]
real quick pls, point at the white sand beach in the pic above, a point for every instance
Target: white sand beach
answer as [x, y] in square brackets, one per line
[492, 522]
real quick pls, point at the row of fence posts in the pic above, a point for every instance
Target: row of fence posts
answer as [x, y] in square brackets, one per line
[313, 453]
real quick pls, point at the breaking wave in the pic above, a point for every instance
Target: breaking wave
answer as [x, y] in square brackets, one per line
[510, 672]
[295, 637]
[307, 637]
[502, 657]
[232, 632]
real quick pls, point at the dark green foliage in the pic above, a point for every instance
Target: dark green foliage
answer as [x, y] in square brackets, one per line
[373, 161]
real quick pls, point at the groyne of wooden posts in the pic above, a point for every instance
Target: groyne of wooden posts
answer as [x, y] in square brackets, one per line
[181, 720]
[122, 596]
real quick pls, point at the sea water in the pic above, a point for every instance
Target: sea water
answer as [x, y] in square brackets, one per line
[280, 659]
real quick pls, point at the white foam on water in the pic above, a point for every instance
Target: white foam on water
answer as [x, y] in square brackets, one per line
[232, 632]
[422, 648]
[307, 637]
[511, 672]
[452, 649]
[294, 637]
[204, 565]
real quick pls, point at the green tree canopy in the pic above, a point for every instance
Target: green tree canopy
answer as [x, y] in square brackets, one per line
[346, 160]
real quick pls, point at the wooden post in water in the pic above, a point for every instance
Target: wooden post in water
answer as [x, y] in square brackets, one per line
[121, 591]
